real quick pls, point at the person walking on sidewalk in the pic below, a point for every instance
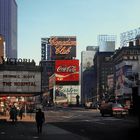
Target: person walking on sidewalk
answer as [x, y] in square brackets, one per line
[21, 113]
[13, 114]
[40, 119]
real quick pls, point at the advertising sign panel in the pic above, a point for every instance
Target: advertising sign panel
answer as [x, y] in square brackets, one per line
[123, 84]
[66, 94]
[110, 81]
[20, 81]
[62, 46]
[67, 70]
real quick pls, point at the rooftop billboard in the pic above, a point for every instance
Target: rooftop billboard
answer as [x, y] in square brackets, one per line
[62, 46]
[67, 70]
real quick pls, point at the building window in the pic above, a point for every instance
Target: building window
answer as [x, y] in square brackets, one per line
[135, 57]
[135, 51]
[131, 57]
[125, 57]
[107, 58]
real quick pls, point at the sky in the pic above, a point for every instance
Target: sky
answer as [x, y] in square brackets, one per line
[85, 19]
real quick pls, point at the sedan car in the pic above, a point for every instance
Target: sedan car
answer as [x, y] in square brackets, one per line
[113, 109]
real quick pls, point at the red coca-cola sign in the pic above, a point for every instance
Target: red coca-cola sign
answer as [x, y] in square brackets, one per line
[67, 70]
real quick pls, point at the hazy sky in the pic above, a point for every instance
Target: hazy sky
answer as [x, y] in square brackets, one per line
[85, 19]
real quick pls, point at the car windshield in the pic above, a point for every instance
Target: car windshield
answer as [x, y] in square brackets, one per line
[117, 105]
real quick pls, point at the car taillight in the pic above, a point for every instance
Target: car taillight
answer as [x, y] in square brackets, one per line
[117, 109]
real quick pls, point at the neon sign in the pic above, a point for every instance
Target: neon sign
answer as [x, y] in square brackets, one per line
[56, 42]
[125, 37]
[63, 45]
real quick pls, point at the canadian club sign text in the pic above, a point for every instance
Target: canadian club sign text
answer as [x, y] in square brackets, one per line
[63, 45]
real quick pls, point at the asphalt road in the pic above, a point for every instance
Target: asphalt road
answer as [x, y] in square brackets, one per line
[75, 124]
[90, 124]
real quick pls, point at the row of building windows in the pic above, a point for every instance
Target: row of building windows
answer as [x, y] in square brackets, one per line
[132, 52]
[130, 57]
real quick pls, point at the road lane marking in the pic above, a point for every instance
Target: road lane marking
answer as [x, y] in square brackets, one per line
[2, 133]
[35, 137]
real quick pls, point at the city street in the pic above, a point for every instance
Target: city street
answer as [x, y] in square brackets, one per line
[78, 61]
[90, 124]
[72, 123]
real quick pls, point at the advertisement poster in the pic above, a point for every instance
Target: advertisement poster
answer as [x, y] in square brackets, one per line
[123, 82]
[67, 70]
[20, 81]
[66, 94]
[62, 46]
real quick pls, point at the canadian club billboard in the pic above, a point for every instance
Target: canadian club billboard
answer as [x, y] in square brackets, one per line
[66, 70]
[62, 46]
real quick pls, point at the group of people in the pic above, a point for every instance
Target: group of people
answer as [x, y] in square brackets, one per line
[14, 112]
[39, 117]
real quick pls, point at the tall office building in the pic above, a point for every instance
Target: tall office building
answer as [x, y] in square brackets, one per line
[87, 73]
[87, 57]
[8, 26]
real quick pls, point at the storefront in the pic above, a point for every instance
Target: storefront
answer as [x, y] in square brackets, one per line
[20, 82]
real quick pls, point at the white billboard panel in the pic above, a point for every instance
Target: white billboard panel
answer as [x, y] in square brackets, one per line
[66, 94]
[107, 46]
[19, 81]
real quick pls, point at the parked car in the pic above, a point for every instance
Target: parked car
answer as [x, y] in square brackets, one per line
[113, 109]
[91, 105]
[88, 105]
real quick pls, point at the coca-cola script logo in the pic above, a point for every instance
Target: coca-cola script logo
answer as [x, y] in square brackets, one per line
[69, 69]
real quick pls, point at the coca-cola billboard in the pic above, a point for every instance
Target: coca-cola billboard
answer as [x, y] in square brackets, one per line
[67, 70]
[62, 46]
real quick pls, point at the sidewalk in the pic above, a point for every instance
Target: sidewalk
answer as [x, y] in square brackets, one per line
[26, 130]
[27, 118]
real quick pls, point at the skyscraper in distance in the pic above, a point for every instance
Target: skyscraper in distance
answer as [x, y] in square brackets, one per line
[8, 26]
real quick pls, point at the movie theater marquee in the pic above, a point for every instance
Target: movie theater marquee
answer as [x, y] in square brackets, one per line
[20, 81]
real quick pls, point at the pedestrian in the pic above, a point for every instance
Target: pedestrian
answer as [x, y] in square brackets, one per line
[40, 119]
[77, 100]
[13, 114]
[21, 113]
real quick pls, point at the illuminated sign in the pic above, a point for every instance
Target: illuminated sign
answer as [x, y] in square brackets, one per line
[20, 81]
[63, 45]
[54, 41]
[128, 36]
[15, 60]
[67, 70]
